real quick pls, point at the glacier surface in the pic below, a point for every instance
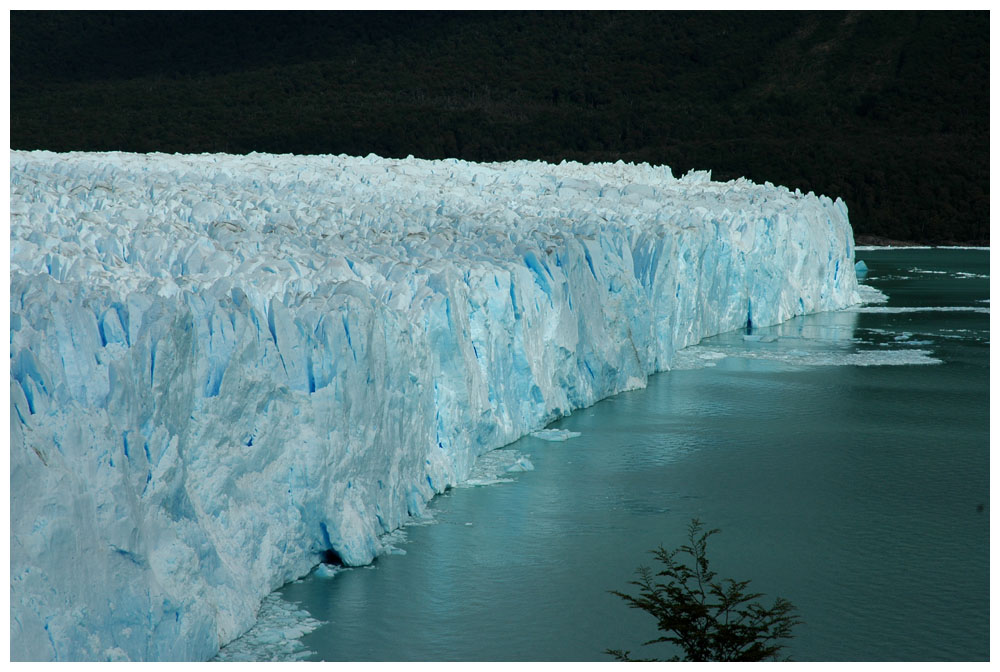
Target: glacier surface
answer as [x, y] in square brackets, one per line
[223, 367]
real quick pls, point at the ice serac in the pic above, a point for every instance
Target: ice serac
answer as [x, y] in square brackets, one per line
[223, 366]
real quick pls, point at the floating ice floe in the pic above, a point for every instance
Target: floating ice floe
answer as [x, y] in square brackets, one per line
[489, 468]
[919, 309]
[523, 464]
[555, 434]
[325, 571]
[877, 248]
[870, 295]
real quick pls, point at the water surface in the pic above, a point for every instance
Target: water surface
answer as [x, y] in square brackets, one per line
[845, 456]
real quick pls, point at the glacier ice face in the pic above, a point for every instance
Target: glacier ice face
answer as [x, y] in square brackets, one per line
[223, 366]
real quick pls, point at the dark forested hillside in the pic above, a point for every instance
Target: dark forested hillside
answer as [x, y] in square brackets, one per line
[889, 110]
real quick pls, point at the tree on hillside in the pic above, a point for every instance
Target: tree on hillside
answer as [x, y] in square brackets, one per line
[709, 620]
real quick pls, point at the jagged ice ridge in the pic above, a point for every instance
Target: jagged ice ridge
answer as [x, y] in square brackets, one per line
[223, 366]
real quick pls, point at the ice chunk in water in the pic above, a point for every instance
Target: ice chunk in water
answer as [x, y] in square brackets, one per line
[555, 434]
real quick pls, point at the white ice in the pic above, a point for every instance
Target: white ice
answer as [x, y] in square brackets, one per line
[275, 636]
[222, 366]
[921, 309]
[492, 468]
[555, 434]
[869, 295]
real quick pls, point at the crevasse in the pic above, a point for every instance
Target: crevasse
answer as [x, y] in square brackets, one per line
[223, 366]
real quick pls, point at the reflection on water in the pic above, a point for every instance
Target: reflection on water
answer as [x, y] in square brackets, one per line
[860, 493]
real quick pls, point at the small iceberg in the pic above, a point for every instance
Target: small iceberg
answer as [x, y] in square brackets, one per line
[523, 464]
[861, 269]
[759, 338]
[325, 571]
[870, 295]
[489, 468]
[555, 434]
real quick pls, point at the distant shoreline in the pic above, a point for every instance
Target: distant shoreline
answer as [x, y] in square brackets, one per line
[866, 240]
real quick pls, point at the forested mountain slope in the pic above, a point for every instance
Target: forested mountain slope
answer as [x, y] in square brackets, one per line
[888, 110]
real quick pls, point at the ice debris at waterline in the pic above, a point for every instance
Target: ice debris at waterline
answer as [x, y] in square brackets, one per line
[224, 366]
[555, 434]
[921, 309]
[870, 295]
[491, 467]
[275, 636]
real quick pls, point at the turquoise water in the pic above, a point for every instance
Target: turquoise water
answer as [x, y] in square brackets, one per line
[855, 488]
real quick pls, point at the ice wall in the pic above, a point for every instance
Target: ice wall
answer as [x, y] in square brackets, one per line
[222, 366]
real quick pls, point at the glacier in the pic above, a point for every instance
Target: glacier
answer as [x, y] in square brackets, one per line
[224, 367]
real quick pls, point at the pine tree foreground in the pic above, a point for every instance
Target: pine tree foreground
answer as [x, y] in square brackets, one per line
[709, 620]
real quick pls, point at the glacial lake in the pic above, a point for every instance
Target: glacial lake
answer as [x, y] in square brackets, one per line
[844, 456]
